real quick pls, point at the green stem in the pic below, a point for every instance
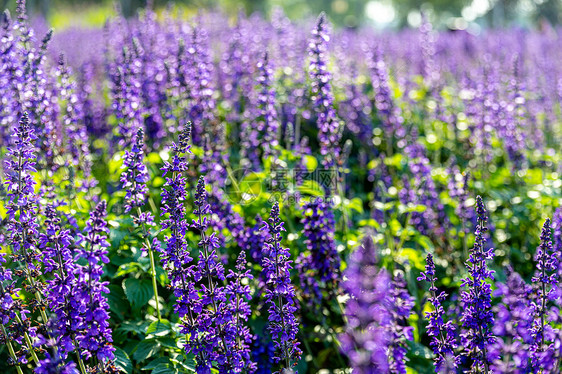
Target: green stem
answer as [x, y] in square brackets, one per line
[152, 267]
[80, 361]
[28, 341]
[11, 350]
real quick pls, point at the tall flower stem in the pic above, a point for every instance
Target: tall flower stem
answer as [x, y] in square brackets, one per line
[11, 350]
[134, 181]
[28, 341]
[152, 266]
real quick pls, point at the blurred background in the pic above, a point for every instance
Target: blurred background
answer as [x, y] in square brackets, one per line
[382, 14]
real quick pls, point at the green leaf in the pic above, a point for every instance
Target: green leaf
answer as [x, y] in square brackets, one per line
[311, 188]
[115, 299]
[127, 268]
[355, 204]
[146, 349]
[138, 327]
[122, 361]
[160, 360]
[159, 328]
[164, 369]
[138, 291]
[426, 243]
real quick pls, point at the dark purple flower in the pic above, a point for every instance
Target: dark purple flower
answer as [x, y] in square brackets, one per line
[546, 279]
[512, 326]
[267, 122]
[238, 334]
[58, 259]
[54, 361]
[477, 316]
[136, 176]
[442, 333]
[321, 262]
[212, 313]
[280, 294]
[329, 131]
[94, 338]
[174, 255]
[399, 329]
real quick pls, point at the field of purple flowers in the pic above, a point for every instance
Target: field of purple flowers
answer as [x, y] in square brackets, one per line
[214, 195]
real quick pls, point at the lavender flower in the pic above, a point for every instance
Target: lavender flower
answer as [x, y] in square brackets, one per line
[366, 337]
[546, 280]
[442, 333]
[23, 228]
[388, 113]
[22, 205]
[95, 336]
[10, 307]
[134, 181]
[174, 255]
[212, 304]
[263, 352]
[322, 262]
[280, 293]
[557, 234]
[136, 176]
[58, 258]
[76, 134]
[237, 296]
[477, 317]
[329, 132]
[268, 123]
[54, 362]
[399, 329]
[512, 325]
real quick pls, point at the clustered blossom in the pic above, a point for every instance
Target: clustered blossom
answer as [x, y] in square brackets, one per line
[329, 132]
[280, 293]
[366, 338]
[238, 294]
[388, 113]
[59, 260]
[477, 316]
[54, 361]
[23, 230]
[546, 279]
[94, 338]
[557, 236]
[209, 275]
[136, 176]
[22, 204]
[175, 255]
[267, 122]
[442, 333]
[76, 134]
[321, 262]
[399, 329]
[512, 325]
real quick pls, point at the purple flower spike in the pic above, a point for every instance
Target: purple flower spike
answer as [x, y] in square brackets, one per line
[280, 294]
[329, 131]
[322, 261]
[442, 333]
[95, 337]
[546, 279]
[366, 338]
[477, 317]
[135, 177]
